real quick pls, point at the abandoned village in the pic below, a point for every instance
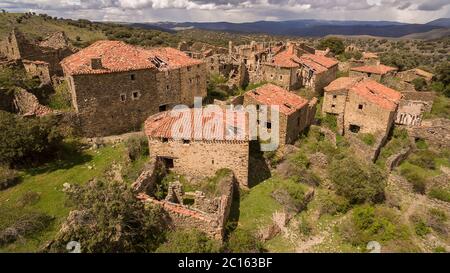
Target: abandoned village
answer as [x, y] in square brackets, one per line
[117, 89]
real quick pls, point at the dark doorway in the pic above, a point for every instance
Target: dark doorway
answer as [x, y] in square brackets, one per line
[168, 162]
[355, 128]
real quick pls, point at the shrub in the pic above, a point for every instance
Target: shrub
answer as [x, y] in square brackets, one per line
[440, 194]
[332, 204]
[304, 226]
[29, 198]
[420, 84]
[358, 182]
[26, 225]
[189, 241]
[330, 121]
[369, 223]
[109, 218]
[242, 241]
[336, 45]
[28, 140]
[424, 159]
[8, 177]
[61, 99]
[137, 147]
[421, 228]
[417, 180]
[437, 220]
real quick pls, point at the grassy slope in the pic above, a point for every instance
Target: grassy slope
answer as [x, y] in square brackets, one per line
[38, 27]
[48, 182]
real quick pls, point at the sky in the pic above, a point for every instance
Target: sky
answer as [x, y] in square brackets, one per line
[410, 11]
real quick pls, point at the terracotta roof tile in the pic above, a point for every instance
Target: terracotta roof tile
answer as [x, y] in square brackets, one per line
[374, 69]
[371, 90]
[285, 59]
[234, 122]
[322, 60]
[118, 56]
[270, 94]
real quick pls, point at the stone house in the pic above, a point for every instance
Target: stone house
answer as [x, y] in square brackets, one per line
[378, 73]
[361, 105]
[413, 106]
[293, 68]
[51, 50]
[370, 59]
[296, 113]
[219, 140]
[116, 86]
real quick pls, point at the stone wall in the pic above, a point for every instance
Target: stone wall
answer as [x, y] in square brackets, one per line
[38, 69]
[114, 103]
[436, 132]
[283, 77]
[322, 80]
[207, 214]
[26, 104]
[200, 159]
[413, 106]
[371, 119]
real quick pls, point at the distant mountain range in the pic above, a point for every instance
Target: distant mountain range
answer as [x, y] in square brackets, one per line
[309, 28]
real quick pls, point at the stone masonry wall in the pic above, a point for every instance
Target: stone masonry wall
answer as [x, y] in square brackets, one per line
[201, 159]
[372, 119]
[98, 101]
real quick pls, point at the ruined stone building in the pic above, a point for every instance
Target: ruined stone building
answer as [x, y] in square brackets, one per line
[196, 151]
[370, 59]
[116, 86]
[38, 69]
[196, 210]
[294, 68]
[51, 51]
[410, 75]
[376, 72]
[296, 113]
[413, 106]
[361, 105]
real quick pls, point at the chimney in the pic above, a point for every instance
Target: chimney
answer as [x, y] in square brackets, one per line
[96, 63]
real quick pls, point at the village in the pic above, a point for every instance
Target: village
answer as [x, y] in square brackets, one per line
[119, 90]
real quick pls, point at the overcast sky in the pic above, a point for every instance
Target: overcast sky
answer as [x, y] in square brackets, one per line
[413, 11]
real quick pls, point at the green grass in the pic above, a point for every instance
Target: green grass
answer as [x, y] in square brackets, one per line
[368, 139]
[36, 27]
[48, 182]
[258, 206]
[441, 108]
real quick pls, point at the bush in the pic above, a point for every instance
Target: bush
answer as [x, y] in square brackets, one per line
[424, 159]
[26, 225]
[420, 84]
[109, 218]
[421, 228]
[335, 44]
[417, 180]
[437, 220]
[330, 121]
[8, 177]
[332, 204]
[137, 147]
[369, 223]
[440, 194]
[189, 241]
[358, 182]
[28, 140]
[29, 198]
[61, 99]
[242, 241]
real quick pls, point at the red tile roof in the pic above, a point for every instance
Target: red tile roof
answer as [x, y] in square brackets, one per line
[369, 89]
[343, 83]
[375, 69]
[118, 56]
[162, 125]
[270, 94]
[286, 59]
[322, 60]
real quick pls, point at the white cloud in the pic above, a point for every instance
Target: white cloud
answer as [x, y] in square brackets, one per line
[235, 10]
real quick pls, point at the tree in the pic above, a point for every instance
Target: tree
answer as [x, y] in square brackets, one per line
[110, 219]
[189, 241]
[358, 182]
[25, 140]
[335, 44]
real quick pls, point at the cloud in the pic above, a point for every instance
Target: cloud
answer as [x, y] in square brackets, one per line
[234, 10]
